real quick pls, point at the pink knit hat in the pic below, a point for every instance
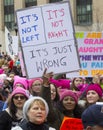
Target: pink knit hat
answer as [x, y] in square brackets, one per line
[68, 93]
[31, 81]
[63, 83]
[20, 80]
[95, 87]
[20, 90]
[1, 71]
[82, 87]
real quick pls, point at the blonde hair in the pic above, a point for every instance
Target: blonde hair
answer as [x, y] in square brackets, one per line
[37, 101]
[28, 104]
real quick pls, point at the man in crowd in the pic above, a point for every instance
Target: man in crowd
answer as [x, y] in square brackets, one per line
[92, 117]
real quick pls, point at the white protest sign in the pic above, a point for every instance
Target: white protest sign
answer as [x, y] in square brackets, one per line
[11, 43]
[47, 39]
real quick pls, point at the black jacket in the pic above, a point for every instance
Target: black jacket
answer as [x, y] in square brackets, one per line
[31, 126]
[6, 121]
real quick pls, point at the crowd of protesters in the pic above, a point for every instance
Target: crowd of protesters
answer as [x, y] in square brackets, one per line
[42, 103]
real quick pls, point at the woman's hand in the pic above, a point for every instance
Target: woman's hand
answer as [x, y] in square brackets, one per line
[96, 79]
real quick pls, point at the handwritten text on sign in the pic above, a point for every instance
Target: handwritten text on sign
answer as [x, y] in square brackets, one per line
[47, 39]
[57, 22]
[54, 57]
[90, 51]
[31, 27]
[90, 48]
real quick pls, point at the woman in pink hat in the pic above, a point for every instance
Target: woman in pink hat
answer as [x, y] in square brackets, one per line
[69, 104]
[13, 115]
[35, 86]
[93, 94]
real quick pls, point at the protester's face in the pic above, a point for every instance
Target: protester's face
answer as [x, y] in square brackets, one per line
[37, 113]
[78, 81]
[53, 91]
[12, 76]
[19, 100]
[69, 103]
[92, 96]
[36, 86]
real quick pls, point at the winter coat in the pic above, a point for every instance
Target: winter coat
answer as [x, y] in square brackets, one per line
[6, 121]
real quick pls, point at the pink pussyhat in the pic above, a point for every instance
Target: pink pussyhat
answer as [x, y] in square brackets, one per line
[20, 80]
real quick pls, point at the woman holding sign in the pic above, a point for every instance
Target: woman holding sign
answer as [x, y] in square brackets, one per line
[56, 114]
[50, 94]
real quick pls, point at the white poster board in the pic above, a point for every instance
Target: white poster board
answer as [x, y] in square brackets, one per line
[11, 43]
[47, 39]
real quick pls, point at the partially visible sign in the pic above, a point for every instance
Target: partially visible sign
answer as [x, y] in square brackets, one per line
[90, 48]
[11, 43]
[22, 63]
[71, 124]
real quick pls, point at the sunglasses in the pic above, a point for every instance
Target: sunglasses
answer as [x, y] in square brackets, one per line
[19, 97]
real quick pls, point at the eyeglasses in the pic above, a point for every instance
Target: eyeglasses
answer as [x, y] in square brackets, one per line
[19, 97]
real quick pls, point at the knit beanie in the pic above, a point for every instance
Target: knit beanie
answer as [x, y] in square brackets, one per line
[31, 81]
[1, 71]
[82, 87]
[20, 80]
[63, 83]
[29, 102]
[68, 93]
[95, 87]
[20, 90]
